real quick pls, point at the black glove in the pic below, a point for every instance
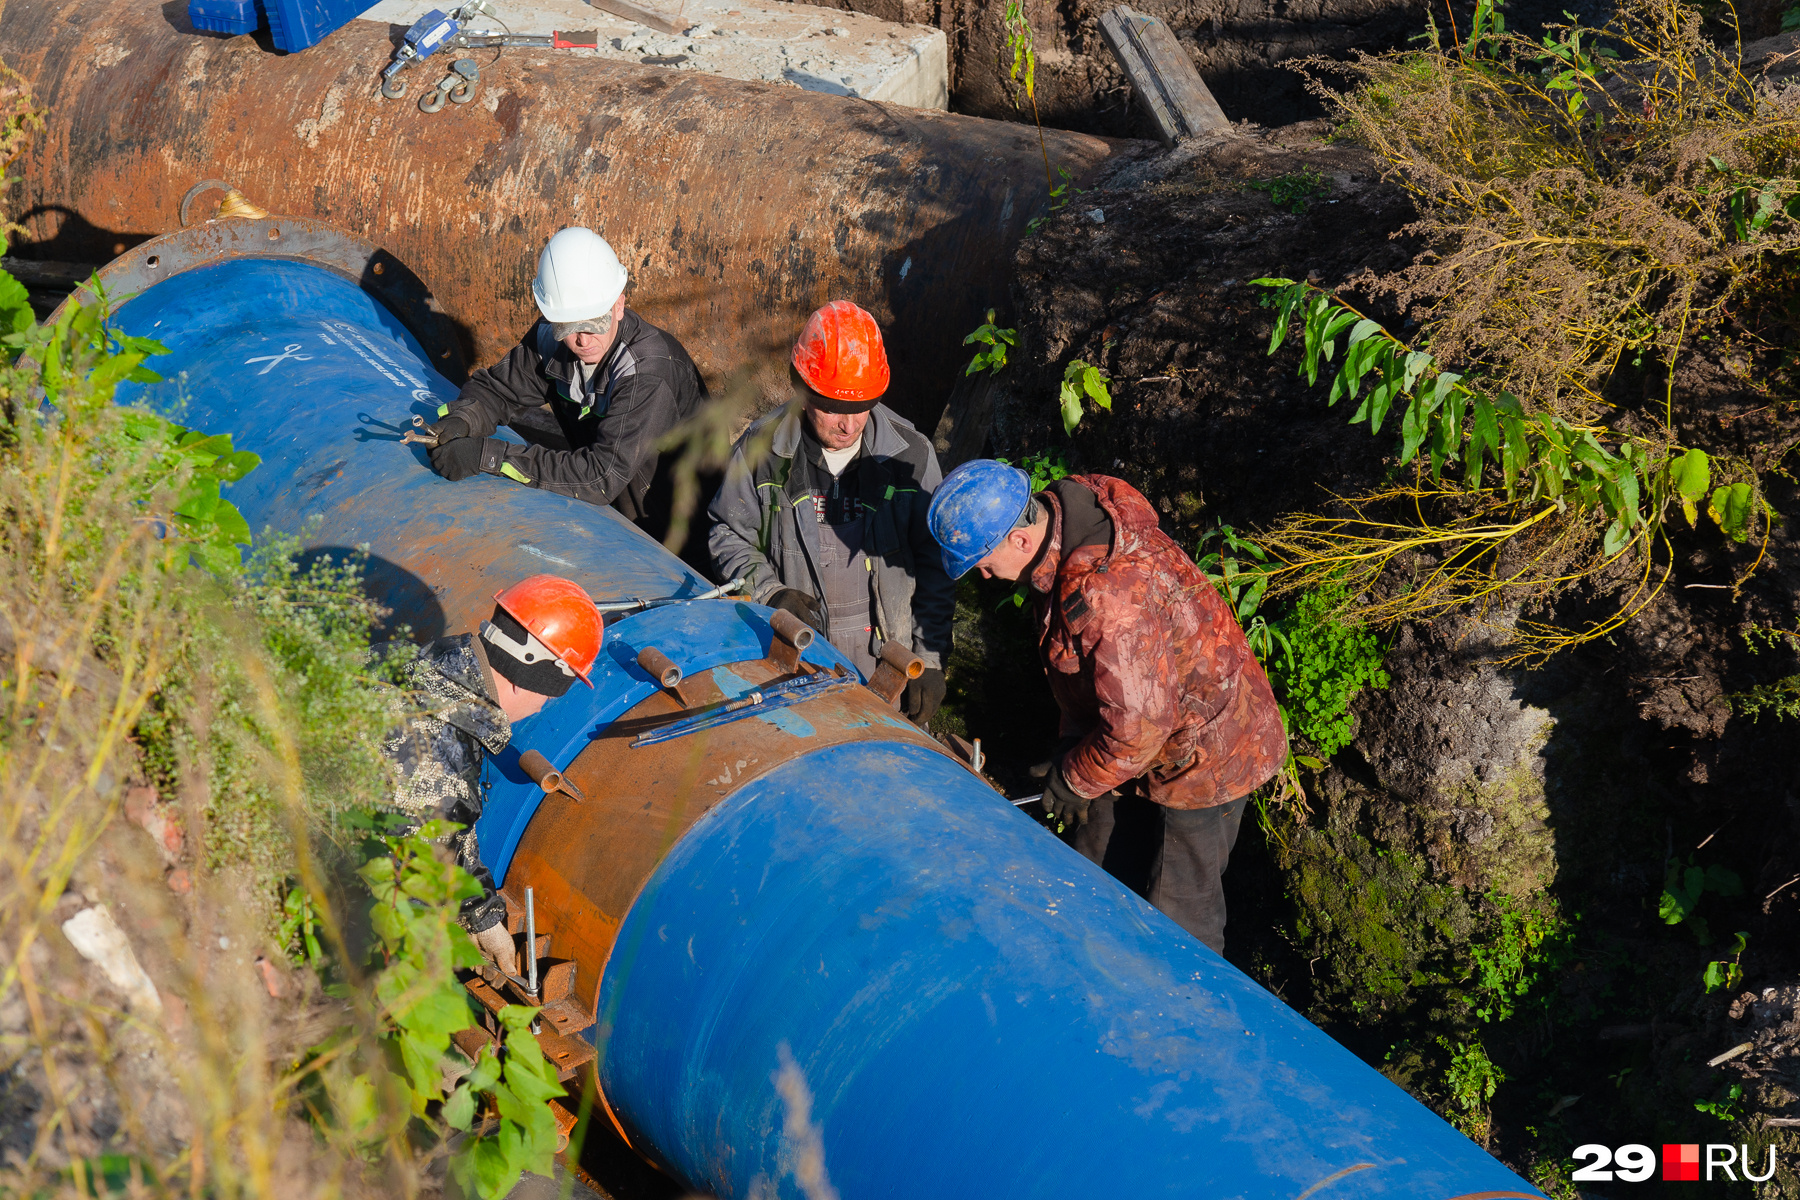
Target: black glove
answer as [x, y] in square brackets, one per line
[924, 695]
[451, 428]
[1061, 802]
[457, 459]
[797, 602]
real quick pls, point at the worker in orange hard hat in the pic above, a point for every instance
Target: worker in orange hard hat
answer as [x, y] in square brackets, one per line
[830, 523]
[544, 634]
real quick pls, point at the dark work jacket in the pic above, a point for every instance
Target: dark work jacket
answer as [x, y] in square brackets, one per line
[644, 387]
[765, 529]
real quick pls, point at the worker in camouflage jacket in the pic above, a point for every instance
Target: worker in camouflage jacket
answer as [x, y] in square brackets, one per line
[1161, 699]
[465, 693]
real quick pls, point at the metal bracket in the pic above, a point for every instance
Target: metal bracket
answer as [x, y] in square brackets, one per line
[792, 635]
[538, 768]
[898, 664]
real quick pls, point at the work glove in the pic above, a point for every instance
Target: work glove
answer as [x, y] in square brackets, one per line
[457, 459]
[496, 946]
[924, 695]
[797, 602]
[451, 428]
[1060, 800]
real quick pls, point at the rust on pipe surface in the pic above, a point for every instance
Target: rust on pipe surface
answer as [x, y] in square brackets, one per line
[587, 862]
[738, 207]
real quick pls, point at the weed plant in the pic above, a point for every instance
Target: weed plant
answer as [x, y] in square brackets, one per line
[142, 656]
[1594, 205]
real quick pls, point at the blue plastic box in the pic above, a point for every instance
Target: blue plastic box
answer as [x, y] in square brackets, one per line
[297, 24]
[224, 16]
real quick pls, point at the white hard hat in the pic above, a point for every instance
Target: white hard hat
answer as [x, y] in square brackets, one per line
[578, 277]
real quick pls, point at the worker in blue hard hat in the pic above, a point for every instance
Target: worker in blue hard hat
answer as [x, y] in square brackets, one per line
[828, 522]
[614, 386]
[1160, 696]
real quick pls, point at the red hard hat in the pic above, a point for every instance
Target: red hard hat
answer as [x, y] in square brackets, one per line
[559, 614]
[840, 355]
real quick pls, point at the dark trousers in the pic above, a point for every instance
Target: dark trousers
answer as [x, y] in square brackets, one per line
[1173, 857]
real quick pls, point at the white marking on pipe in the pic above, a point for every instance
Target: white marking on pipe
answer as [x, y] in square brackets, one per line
[528, 548]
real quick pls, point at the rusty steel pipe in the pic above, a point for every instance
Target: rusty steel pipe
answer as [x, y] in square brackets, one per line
[657, 665]
[898, 664]
[738, 207]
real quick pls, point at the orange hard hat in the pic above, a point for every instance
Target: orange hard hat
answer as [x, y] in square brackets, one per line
[558, 613]
[840, 355]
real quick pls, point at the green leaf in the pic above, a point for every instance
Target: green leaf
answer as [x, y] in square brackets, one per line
[485, 1168]
[1692, 476]
[442, 1012]
[419, 1055]
[1094, 384]
[1412, 429]
[1731, 507]
[233, 467]
[233, 530]
[356, 1105]
[15, 305]
[1070, 402]
[1723, 881]
[378, 870]
[1617, 537]
[199, 501]
[459, 1109]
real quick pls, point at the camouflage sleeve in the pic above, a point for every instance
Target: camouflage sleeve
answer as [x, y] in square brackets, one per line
[488, 909]
[1130, 647]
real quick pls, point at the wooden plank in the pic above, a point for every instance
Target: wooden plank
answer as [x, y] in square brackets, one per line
[1162, 76]
[644, 15]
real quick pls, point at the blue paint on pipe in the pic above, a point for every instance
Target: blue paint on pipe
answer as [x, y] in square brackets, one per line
[976, 1011]
[314, 374]
[306, 369]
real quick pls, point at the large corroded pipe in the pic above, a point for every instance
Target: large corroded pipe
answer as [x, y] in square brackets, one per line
[739, 207]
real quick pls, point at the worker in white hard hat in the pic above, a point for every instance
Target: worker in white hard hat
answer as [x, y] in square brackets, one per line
[614, 383]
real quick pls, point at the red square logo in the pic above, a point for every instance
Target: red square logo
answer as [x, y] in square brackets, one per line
[1681, 1163]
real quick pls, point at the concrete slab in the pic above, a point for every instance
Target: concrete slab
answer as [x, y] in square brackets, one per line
[818, 49]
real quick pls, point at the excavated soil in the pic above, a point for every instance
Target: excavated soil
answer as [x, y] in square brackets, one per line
[1239, 47]
[1471, 789]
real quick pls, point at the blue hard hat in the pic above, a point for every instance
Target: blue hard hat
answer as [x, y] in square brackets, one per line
[975, 507]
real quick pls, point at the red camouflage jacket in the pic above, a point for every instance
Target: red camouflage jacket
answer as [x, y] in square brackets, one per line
[1148, 664]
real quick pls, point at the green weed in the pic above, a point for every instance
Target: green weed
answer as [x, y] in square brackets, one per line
[1081, 378]
[1472, 1079]
[1528, 948]
[1327, 663]
[994, 340]
[1727, 974]
[1683, 886]
[1724, 1104]
[1294, 191]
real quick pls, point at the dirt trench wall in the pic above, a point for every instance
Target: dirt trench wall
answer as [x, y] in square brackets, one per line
[1238, 45]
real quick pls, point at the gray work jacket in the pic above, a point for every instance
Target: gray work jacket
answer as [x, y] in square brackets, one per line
[764, 528]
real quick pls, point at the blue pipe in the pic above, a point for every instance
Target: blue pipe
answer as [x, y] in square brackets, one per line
[862, 958]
